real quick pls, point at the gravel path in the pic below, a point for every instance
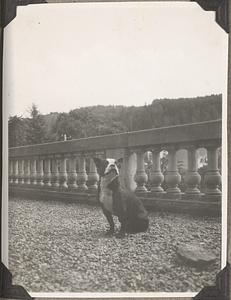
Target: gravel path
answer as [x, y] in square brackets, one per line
[57, 246]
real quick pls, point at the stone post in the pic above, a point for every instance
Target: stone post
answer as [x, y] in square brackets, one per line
[82, 174]
[212, 176]
[21, 172]
[172, 177]
[192, 178]
[63, 173]
[27, 172]
[11, 172]
[54, 172]
[40, 174]
[128, 170]
[156, 176]
[93, 178]
[72, 174]
[15, 171]
[47, 172]
[141, 177]
[34, 171]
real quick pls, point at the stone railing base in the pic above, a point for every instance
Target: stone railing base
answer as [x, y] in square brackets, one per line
[198, 207]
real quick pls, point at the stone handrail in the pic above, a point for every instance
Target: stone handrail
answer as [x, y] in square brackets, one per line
[183, 135]
[68, 165]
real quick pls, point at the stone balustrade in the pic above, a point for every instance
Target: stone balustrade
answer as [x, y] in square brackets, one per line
[67, 167]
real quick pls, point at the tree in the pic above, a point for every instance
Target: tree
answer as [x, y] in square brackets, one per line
[36, 133]
[100, 120]
[17, 131]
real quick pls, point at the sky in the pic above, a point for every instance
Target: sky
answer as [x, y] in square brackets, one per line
[66, 56]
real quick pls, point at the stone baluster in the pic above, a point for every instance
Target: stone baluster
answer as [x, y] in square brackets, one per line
[141, 177]
[212, 176]
[72, 174]
[156, 176]
[11, 171]
[63, 173]
[82, 174]
[40, 173]
[54, 172]
[93, 178]
[15, 171]
[172, 177]
[192, 178]
[47, 172]
[21, 172]
[34, 171]
[27, 172]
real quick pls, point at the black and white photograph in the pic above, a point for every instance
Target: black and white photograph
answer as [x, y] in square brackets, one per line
[115, 148]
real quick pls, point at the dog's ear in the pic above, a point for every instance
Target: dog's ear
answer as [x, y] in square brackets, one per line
[119, 162]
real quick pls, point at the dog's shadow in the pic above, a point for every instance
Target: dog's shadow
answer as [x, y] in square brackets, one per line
[102, 234]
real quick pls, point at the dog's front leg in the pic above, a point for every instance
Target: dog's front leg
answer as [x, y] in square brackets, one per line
[123, 227]
[109, 217]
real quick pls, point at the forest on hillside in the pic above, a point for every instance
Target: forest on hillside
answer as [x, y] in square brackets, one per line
[101, 120]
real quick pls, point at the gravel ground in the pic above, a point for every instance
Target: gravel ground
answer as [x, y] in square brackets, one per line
[61, 247]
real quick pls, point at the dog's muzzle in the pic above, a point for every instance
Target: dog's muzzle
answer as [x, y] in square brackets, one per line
[111, 169]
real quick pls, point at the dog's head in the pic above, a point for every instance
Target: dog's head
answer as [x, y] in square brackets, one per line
[107, 166]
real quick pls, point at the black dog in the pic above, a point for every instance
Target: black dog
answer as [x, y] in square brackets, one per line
[116, 201]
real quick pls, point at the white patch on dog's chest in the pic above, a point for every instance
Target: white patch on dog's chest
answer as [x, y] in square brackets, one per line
[105, 196]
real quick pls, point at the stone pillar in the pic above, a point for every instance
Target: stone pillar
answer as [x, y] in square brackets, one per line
[156, 176]
[212, 176]
[63, 173]
[27, 172]
[172, 177]
[15, 171]
[54, 172]
[192, 178]
[93, 178]
[11, 171]
[141, 177]
[40, 174]
[47, 172]
[128, 170]
[72, 174]
[33, 171]
[21, 172]
[82, 175]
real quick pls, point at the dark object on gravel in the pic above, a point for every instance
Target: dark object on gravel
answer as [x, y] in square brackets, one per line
[195, 255]
[115, 201]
